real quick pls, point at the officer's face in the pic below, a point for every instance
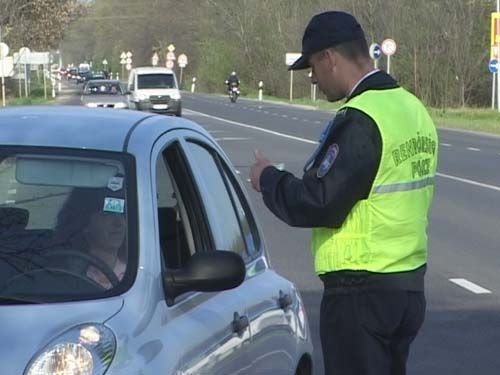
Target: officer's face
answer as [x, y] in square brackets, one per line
[325, 73]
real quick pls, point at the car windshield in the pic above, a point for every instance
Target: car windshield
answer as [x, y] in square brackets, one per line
[155, 81]
[64, 227]
[102, 88]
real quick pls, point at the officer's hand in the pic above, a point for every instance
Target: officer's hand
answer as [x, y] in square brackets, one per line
[261, 162]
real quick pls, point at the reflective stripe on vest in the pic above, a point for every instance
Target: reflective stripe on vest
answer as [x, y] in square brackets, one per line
[387, 232]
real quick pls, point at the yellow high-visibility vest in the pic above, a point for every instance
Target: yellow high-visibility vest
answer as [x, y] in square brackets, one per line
[387, 232]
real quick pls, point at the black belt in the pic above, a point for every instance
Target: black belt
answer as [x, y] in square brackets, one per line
[409, 280]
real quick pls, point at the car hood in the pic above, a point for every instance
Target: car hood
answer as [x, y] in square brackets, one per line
[26, 329]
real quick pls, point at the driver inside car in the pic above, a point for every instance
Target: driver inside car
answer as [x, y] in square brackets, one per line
[93, 222]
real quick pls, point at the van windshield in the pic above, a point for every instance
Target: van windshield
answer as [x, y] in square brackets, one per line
[64, 227]
[156, 81]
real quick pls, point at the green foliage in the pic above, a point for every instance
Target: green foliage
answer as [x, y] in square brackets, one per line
[215, 64]
[443, 45]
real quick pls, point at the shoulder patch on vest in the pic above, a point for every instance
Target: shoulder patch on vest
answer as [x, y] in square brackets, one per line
[328, 160]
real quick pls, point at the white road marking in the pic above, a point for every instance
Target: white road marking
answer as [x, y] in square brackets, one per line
[471, 182]
[285, 116]
[9, 201]
[232, 139]
[294, 118]
[317, 122]
[253, 127]
[473, 149]
[445, 144]
[474, 288]
[465, 180]
[12, 191]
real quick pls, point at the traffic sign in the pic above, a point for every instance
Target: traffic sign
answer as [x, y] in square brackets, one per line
[128, 66]
[375, 51]
[170, 64]
[290, 58]
[493, 66]
[170, 56]
[182, 60]
[389, 47]
[123, 55]
[128, 54]
[128, 61]
[24, 55]
[171, 48]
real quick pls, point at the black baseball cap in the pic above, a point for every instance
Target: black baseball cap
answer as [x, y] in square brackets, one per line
[327, 30]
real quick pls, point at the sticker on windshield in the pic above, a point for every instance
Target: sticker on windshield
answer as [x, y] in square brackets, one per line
[115, 205]
[115, 183]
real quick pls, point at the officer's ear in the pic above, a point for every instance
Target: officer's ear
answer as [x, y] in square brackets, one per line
[332, 57]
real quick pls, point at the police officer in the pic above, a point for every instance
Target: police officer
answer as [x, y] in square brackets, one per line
[365, 193]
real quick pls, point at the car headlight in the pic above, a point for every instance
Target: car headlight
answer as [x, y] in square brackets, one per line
[175, 96]
[83, 350]
[120, 105]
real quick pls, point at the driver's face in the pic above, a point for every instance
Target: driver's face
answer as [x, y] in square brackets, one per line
[107, 230]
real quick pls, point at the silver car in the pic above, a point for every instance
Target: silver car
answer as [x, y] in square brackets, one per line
[103, 93]
[128, 246]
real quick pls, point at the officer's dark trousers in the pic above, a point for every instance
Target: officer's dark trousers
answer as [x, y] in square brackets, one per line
[368, 332]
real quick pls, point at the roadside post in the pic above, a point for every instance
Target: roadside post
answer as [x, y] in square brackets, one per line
[193, 84]
[4, 51]
[24, 55]
[261, 86]
[155, 59]
[182, 61]
[375, 53]
[389, 48]
[313, 87]
[123, 61]
[128, 61]
[495, 55]
[290, 58]
[493, 66]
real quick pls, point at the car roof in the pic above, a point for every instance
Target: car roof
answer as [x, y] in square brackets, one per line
[153, 69]
[68, 126]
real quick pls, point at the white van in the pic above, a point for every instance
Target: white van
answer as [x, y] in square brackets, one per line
[154, 89]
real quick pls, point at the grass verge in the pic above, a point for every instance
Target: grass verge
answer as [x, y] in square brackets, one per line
[472, 119]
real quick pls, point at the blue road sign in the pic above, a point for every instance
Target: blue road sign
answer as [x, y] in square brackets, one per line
[375, 51]
[493, 66]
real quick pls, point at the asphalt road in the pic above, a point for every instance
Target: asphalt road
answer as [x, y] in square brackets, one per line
[461, 334]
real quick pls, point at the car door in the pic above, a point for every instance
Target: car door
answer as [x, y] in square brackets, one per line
[268, 296]
[206, 333]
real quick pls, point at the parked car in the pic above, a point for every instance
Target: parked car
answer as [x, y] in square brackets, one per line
[154, 89]
[128, 246]
[103, 93]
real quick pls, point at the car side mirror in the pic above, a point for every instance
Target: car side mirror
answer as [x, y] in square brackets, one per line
[208, 271]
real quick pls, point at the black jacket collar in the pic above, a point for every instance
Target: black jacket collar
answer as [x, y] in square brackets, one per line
[378, 81]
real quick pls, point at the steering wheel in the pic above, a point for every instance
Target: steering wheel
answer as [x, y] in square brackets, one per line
[98, 263]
